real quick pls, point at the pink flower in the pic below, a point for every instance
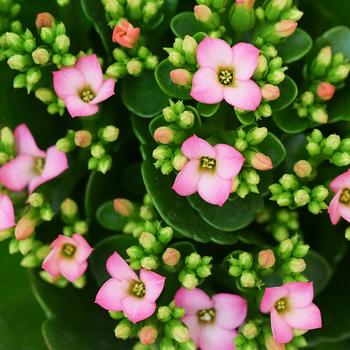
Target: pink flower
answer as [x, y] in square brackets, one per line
[82, 88]
[209, 172]
[126, 292]
[340, 204]
[291, 307]
[7, 213]
[32, 166]
[212, 322]
[125, 34]
[225, 73]
[68, 257]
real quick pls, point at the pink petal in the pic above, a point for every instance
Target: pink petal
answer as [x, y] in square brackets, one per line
[55, 164]
[138, 309]
[213, 189]
[300, 294]
[246, 95]
[214, 53]
[192, 300]
[89, 66]
[196, 148]
[78, 108]
[154, 284]
[118, 268]
[25, 142]
[72, 270]
[16, 174]
[111, 294]
[61, 240]
[229, 161]
[340, 182]
[186, 182]
[333, 209]
[105, 92]
[281, 331]
[304, 318]
[83, 248]
[194, 327]
[245, 60]
[344, 211]
[270, 297]
[7, 213]
[68, 81]
[231, 310]
[216, 338]
[51, 263]
[206, 87]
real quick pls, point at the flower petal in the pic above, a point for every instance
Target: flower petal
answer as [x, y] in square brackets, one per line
[270, 297]
[154, 284]
[78, 108]
[206, 87]
[118, 268]
[214, 337]
[136, 309]
[72, 270]
[196, 148]
[304, 318]
[192, 300]
[51, 264]
[186, 182]
[340, 182]
[89, 66]
[245, 60]
[231, 310]
[16, 174]
[333, 209]
[67, 82]
[105, 92]
[25, 142]
[83, 248]
[281, 331]
[229, 161]
[300, 294]
[194, 328]
[213, 189]
[111, 294]
[344, 211]
[214, 53]
[246, 95]
[7, 213]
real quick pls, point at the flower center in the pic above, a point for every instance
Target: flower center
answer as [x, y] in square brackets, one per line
[208, 163]
[68, 250]
[226, 77]
[39, 164]
[138, 289]
[281, 305]
[87, 95]
[206, 315]
[345, 196]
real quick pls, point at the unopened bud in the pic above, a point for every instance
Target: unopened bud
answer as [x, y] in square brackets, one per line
[40, 56]
[171, 257]
[274, 8]
[164, 135]
[179, 332]
[250, 330]
[302, 168]
[322, 62]
[25, 227]
[270, 92]
[189, 280]
[165, 235]
[193, 260]
[202, 13]
[186, 119]
[124, 207]
[266, 259]
[289, 182]
[338, 74]
[261, 68]
[164, 314]
[325, 91]
[149, 263]
[148, 335]
[134, 67]
[285, 249]
[319, 193]
[44, 95]
[123, 330]
[109, 133]
[294, 266]
[260, 161]
[248, 280]
[147, 240]
[286, 28]
[61, 44]
[181, 77]
[44, 19]
[36, 200]
[83, 138]
[189, 47]
[69, 208]
[301, 197]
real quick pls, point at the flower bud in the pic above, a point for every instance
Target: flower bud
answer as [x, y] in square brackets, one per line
[116, 70]
[276, 77]
[44, 95]
[256, 135]
[149, 263]
[285, 248]
[307, 98]
[7, 140]
[41, 56]
[274, 9]
[29, 261]
[124, 207]
[14, 41]
[134, 67]
[179, 161]
[164, 135]
[44, 19]
[204, 271]
[189, 46]
[325, 91]
[147, 240]
[322, 62]
[248, 280]
[293, 14]
[167, 344]
[61, 44]
[301, 197]
[69, 208]
[286, 28]
[193, 260]
[302, 168]
[260, 161]
[148, 335]
[109, 133]
[338, 74]
[301, 250]
[36, 200]
[97, 151]
[169, 114]
[171, 257]
[64, 145]
[179, 332]
[25, 226]
[181, 77]
[188, 280]
[261, 68]
[341, 159]
[294, 265]
[319, 193]
[332, 142]
[176, 59]
[164, 314]
[186, 119]
[33, 76]
[82, 138]
[47, 35]
[313, 148]
[19, 62]
[270, 92]
[242, 16]
[289, 182]
[165, 235]
[123, 330]
[250, 330]
[202, 13]
[266, 259]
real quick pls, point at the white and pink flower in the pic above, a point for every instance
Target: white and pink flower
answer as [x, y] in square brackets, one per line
[340, 204]
[68, 257]
[32, 167]
[125, 291]
[83, 87]
[291, 308]
[209, 171]
[212, 322]
[225, 74]
[7, 213]
[125, 34]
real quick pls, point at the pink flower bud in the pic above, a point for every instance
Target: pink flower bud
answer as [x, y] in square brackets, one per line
[148, 335]
[181, 77]
[303, 168]
[123, 206]
[125, 34]
[83, 138]
[202, 13]
[286, 27]
[270, 92]
[266, 258]
[44, 19]
[25, 227]
[164, 135]
[325, 91]
[171, 257]
[261, 161]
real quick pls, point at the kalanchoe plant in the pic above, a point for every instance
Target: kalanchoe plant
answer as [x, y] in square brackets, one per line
[162, 163]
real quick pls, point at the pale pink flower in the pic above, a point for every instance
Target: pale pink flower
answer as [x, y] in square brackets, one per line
[7, 213]
[125, 34]
[325, 91]
[340, 204]
[68, 257]
[291, 308]
[209, 171]
[224, 74]
[212, 322]
[82, 88]
[32, 167]
[125, 291]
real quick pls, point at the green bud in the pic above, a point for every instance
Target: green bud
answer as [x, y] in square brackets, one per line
[186, 119]
[256, 135]
[135, 252]
[338, 74]
[30, 261]
[190, 345]
[123, 330]
[116, 315]
[250, 330]
[40, 56]
[193, 260]
[36, 200]
[319, 193]
[241, 144]
[285, 248]
[189, 48]
[68, 60]
[275, 189]
[314, 207]
[33, 76]
[104, 164]
[14, 41]
[42, 252]
[161, 153]
[203, 271]
[176, 59]
[301, 250]
[45, 95]
[265, 110]
[46, 213]
[81, 227]
[134, 67]
[332, 142]
[242, 17]
[341, 159]
[65, 145]
[188, 280]
[25, 246]
[147, 241]
[97, 151]
[19, 62]
[166, 168]
[61, 44]
[169, 114]
[235, 271]
[20, 81]
[243, 190]
[178, 331]
[178, 312]
[322, 62]
[7, 140]
[245, 260]
[149, 263]
[301, 197]
[165, 235]
[164, 314]
[294, 265]
[307, 98]
[116, 70]
[261, 68]
[313, 148]
[289, 182]
[347, 233]
[167, 344]
[248, 280]
[275, 63]
[80, 282]
[276, 77]
[274, 9]
[302, 168]
[293, 14]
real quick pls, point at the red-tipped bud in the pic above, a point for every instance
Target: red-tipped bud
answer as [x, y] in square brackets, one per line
[325, 91]
[164, 135]
[181, 77]
[261, 161]
[171, 257]
[286, 28]
[266, 259]
[44, 19]
[270, 92]
[202, 13]
[148, 335]
[25, 227]
[123, 206]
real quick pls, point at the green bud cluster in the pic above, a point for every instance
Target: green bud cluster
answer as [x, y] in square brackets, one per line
[247, 140]
[7, 145]
[70, 216]
[249, 335]
[183, 53]
[9, 10]
[212, 15]
[246, 182]
[54, 104]
[196, 268]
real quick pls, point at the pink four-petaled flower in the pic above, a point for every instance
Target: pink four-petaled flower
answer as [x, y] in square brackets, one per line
[291, 307]
[212, 322]
[32, 166]
[126, 292]
[83, 87]
[225, 74]
[210, 170]
[7, 214]
[125, 34]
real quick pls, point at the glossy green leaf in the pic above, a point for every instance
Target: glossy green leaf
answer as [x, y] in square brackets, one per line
[339, 106]
[288, 93]
[140, 127]
[273, 147]
[109, 218]
[185, 23]
[246, 118]
[207, 110]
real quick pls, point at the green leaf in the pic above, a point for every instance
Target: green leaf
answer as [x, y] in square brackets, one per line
[143, 96]
[295, 47]
[207, 110]
[339, 107]
[288, 93]
[186, 24]
[273, 147]
[342, 345]
[140, 127]
[109, 218]
[163, 79]
[246, 118]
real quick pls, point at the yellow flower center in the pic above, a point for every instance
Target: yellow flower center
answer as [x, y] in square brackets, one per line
[226, 76]
[138, 289]
[39, 164]
[208, 163]
[281, 305]
[87, 95]
[206, 315]
[68, 250]
[345, 196]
